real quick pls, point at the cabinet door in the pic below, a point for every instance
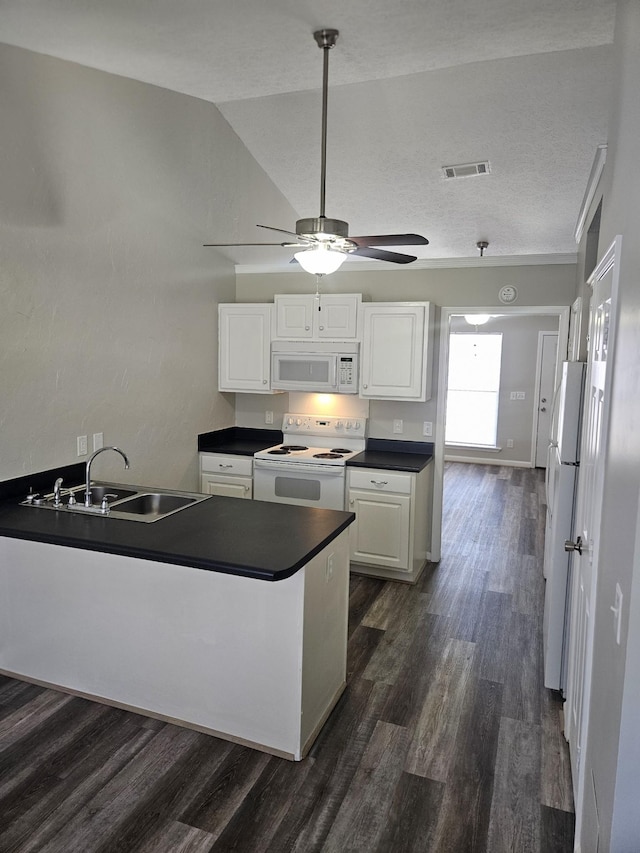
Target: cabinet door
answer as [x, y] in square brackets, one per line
[228, 487]
[336, 316]
[244, 342]
[393, 355]
[380, 534]
[294, 317]
[311, 317]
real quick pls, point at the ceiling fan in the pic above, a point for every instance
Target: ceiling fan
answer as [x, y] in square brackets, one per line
[325, 243]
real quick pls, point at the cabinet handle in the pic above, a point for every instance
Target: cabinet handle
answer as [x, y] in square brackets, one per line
[322, 328]
[246, 488]
[306, 328]
[365, 386]
[221, 465]
[380, 482]
[264, 381]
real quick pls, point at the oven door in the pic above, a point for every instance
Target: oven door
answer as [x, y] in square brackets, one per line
[298, 483]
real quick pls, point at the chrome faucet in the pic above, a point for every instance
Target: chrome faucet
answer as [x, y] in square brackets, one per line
[87, 491]
[57, 492]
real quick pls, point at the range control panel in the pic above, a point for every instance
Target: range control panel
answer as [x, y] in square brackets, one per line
[324, 425]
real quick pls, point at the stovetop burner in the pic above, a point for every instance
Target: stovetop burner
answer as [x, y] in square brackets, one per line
[279, 451]
[340, 450]
[331, 455]
[291, 447]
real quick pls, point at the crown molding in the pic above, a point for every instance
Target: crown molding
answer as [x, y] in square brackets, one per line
[420, 264]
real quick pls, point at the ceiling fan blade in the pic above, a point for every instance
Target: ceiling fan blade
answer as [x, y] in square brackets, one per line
[209, 245]
[281, 230]
[383, 255]
[391, 240]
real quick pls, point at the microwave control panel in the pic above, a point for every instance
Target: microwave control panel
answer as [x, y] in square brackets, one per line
[347, 371]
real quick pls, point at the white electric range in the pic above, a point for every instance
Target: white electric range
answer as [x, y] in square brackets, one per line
[308, 468]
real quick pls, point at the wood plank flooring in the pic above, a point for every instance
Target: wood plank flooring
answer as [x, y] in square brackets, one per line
[445, 740]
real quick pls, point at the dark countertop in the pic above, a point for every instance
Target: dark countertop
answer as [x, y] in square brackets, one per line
[241, 441]
[411, 456]
[254, 539]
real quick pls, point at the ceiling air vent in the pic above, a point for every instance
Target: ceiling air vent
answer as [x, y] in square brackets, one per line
[467, 170]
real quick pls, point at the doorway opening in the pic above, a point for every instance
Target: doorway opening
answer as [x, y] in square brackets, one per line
[560, 313]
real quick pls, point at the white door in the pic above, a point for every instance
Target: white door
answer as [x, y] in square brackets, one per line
[588, 517]
[547, 360]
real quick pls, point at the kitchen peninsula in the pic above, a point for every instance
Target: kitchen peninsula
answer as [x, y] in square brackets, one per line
[229, 616]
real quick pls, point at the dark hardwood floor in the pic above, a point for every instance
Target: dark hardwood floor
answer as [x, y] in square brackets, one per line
[444, 741]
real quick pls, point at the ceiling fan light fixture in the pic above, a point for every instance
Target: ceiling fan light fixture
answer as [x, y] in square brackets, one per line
[477, 319]
[320, 260]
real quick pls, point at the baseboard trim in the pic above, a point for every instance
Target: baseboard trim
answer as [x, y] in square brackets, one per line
[154, 715]
[512, 463]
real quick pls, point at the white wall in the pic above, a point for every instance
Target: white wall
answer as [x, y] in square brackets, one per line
[613, 749]
[108, 188]
[551, 284]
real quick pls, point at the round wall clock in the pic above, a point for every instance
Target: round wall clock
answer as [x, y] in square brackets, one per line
[508, 294]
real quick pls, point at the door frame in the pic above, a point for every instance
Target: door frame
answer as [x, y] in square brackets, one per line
[584, 795]
[559, 311]
[534, 425]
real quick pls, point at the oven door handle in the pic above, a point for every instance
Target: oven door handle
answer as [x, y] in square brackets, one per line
[300, 467]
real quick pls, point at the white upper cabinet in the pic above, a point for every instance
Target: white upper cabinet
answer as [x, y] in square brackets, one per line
[311, 317]
[395, 359]
[244, 343]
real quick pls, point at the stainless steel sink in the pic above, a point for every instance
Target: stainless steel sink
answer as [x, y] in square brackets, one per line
[129, 503]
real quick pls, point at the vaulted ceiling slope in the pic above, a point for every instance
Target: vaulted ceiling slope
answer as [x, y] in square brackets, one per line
[414, 86]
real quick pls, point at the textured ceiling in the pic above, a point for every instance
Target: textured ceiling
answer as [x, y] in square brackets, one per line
[415, 85]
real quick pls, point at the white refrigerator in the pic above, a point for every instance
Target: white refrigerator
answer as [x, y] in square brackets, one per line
[561, 486]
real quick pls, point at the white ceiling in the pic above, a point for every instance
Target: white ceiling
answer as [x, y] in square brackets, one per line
[414, 85]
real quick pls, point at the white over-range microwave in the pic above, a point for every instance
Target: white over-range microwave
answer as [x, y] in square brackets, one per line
[326, 368]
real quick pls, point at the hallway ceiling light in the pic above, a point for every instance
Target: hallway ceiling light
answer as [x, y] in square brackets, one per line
[477, 319]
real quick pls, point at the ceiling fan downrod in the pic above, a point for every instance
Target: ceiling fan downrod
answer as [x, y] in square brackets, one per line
[325, 39]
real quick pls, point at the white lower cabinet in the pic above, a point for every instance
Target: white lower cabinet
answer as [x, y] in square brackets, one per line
[391, 535]
[227, 475]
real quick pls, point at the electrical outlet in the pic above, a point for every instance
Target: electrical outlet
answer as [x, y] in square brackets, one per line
[81, 445]
[329, 568]
[427, 428]
[509, 442]
[398, 426]
[98, 440]
[268, 417]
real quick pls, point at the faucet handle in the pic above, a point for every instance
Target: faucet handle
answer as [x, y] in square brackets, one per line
[56, 492]
[104, 506]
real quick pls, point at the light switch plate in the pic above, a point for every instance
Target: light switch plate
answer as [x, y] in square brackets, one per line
[398, 426]
[427, 428]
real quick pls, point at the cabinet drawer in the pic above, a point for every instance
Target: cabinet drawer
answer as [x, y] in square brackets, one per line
[380, 480]
[221, 463]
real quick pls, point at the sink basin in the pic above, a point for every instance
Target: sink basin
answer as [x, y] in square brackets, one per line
[98, 492]
[155, 504]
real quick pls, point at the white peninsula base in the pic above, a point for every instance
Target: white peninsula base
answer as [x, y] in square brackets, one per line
[256, 662]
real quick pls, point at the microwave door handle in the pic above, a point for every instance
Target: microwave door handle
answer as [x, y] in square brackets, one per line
[333, 372]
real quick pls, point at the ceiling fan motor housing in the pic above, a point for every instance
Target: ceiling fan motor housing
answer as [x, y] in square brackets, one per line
[321, 226]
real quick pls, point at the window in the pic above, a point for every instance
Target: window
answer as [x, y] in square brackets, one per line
[473, 389]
